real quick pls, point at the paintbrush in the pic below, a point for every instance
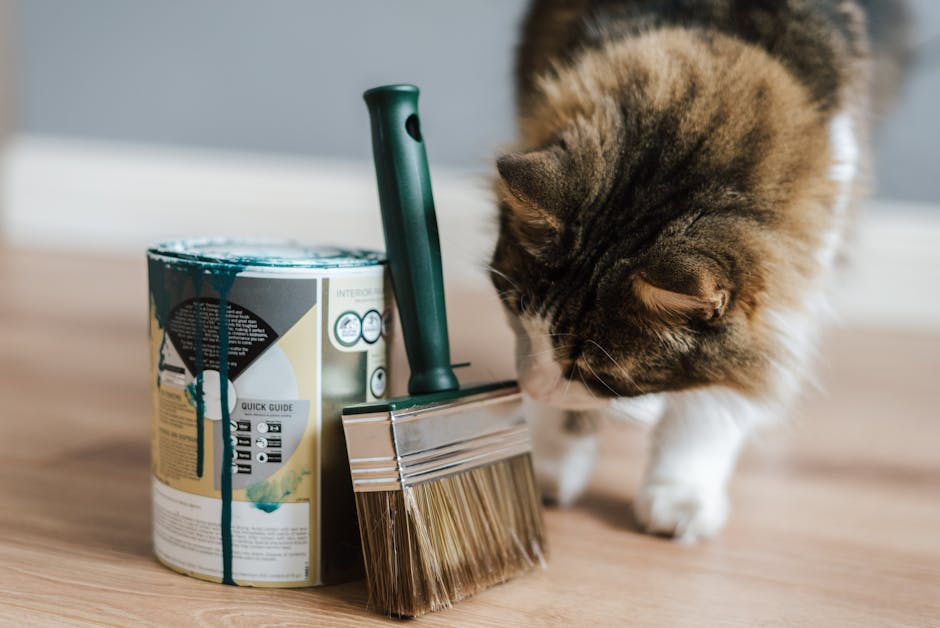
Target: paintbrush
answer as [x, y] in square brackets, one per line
[445, 492]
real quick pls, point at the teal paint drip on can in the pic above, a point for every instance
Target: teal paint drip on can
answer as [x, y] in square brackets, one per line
[256, 347]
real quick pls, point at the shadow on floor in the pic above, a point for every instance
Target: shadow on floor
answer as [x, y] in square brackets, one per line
[614, 510]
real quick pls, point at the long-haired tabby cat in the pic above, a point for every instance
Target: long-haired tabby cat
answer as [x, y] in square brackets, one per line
[671, 220]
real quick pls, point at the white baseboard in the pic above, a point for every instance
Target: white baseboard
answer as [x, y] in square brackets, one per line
[118, 198]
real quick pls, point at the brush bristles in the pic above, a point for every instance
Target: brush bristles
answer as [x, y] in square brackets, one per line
[439, 542]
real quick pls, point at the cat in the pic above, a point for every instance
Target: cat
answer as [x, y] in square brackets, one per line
[671, 221]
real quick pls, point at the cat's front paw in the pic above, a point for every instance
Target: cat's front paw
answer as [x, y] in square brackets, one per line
[563, 477]
[686, 512]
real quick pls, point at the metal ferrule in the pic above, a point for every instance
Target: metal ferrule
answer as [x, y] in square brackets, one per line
[393, 450]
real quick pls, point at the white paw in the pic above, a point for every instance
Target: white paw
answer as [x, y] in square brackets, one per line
[562, 478]
[686, 512]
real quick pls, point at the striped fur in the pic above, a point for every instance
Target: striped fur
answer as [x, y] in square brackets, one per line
[672, 215]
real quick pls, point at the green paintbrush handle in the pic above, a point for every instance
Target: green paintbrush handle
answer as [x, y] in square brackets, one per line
[410, 225]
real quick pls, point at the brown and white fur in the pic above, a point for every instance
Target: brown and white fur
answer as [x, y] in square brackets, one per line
[671, 221]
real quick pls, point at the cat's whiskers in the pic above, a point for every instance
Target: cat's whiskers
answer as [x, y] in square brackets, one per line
[567, 385]
[557, 352]
[586, 387]
[598, 378]
[623, 372]
[551, 350]
[511, 281]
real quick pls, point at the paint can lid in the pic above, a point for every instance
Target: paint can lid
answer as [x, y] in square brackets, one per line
[257, 253]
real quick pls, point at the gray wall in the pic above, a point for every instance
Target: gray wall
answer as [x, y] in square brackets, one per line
[286, 76]
[268, 76]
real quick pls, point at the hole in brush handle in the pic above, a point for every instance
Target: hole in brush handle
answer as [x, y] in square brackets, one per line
[413, 126]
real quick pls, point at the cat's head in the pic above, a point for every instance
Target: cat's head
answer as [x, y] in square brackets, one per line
[651, 220]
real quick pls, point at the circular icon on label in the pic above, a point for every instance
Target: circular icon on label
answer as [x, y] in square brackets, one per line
[263, 428]
[261, 442]
[372, 326]
[378, 381]
[261, 456]
[348, 329]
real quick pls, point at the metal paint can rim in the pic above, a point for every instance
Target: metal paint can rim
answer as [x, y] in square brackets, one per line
[264, 255]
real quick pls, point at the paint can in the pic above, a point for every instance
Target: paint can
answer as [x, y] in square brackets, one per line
[255, 349]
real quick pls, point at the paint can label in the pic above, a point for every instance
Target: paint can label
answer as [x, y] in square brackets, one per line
[251, 368]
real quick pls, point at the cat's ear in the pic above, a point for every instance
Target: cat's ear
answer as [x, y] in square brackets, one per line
[536, 184]
[537, 178]
[682, 289]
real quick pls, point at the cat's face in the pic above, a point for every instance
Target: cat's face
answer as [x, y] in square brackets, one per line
[594, 321]
[643, 241]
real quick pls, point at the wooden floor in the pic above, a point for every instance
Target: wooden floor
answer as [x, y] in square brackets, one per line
[836, 515]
